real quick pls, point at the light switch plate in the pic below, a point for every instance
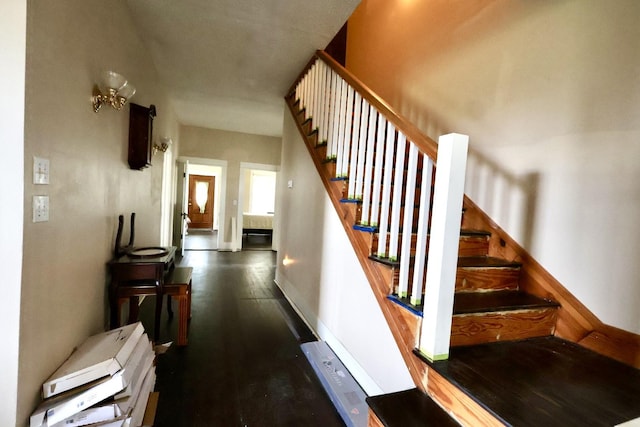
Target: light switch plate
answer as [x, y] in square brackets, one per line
[40, 170]
[40, 208]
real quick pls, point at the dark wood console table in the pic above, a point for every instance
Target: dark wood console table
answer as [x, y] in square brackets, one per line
[160, 256]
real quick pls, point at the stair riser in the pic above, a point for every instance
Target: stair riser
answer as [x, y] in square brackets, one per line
[416, 194]
[313, 138]
[474, 279]
[414, 223]
[469, 245]
[321, 151]
[486, 279]
[473, 329]
[473, 246]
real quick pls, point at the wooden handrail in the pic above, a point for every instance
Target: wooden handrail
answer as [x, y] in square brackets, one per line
[425, 144]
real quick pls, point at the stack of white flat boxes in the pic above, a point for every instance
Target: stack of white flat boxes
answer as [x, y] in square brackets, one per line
[105, 382]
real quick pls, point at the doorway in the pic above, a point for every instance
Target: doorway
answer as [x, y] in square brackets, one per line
[258, 186]
[201, 201]
[197, 229]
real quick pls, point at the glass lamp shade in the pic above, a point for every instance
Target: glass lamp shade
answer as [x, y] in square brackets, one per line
[112, 80]
[127, 91]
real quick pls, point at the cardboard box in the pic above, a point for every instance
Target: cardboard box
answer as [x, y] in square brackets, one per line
[99, 356]
[137, 414]
[127, 402]
[137, 366]
[93, 415]
[64, 405]
[150, 413]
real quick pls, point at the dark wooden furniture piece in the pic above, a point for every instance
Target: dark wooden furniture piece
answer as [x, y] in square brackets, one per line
[140, 135]
[136, 273]
[177, 285]
[120, 250]
[131, 281]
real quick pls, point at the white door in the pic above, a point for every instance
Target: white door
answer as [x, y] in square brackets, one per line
[182, 194]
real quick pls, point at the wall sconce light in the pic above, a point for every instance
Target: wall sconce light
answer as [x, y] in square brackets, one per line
[113, 90]
[165, 143]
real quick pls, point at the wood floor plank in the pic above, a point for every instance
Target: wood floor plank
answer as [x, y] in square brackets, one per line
[243, 364]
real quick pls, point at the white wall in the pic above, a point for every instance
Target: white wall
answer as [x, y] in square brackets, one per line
[13, 21]
[549, 93]
[324, 279]
[64, 276]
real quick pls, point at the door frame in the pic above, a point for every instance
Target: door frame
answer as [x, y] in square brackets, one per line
[244, 166]
[211, 194]
[222, 182]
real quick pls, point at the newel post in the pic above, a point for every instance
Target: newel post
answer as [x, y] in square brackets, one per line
[444, 239]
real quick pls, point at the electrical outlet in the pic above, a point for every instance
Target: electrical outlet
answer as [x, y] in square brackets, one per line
[40, 170]
[40, 208]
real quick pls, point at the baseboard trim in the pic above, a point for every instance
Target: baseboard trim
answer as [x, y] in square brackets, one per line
[324, 333]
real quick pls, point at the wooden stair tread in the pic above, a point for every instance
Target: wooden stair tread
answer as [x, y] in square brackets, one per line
[409, 408]
[485, 302]
[544, 381]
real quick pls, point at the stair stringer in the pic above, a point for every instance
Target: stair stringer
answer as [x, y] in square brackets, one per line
[404, 327]
[575, 322]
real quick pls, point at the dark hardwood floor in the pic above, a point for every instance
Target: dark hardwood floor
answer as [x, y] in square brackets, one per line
[545, 382]
[243, 365]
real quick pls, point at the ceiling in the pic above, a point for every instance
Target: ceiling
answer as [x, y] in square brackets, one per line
[228, 63]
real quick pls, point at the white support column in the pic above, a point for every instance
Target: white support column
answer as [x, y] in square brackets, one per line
[443, 246]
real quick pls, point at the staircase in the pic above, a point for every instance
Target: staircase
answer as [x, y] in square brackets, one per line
[379, 176]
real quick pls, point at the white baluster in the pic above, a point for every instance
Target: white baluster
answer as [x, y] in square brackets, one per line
[407, 222]
[362, 148]
[296, 96]
[396, 204]
[312, 97]
[355, 141]
[322, 99]
[303, 95]
[337, 104]
[385, 206]
[368, 167]
[343, 171]
[377, 171]
[329, 112]
[318, 99]
[341, 125]
[423, 231]
[327, 104]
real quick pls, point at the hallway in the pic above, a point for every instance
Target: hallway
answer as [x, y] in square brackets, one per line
[243, 365]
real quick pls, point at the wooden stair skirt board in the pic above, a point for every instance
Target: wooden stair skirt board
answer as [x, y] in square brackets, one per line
[535, 382]
[409, 408]
[345, 393]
